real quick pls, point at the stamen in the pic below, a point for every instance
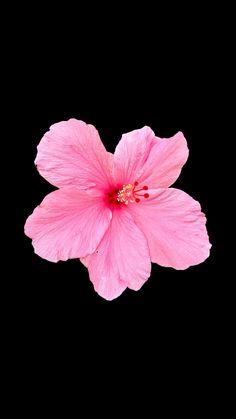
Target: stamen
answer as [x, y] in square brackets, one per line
[127, 194]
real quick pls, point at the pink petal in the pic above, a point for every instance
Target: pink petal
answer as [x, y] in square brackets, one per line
[69, 223]
[157, 162]
[174, 226]
[122, 258]
[71, 153]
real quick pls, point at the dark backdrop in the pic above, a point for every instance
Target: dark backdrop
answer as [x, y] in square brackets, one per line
[118, 73]
[117, 84]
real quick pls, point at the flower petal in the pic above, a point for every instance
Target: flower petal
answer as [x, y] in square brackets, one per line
[131, 153]
[174, 226]
[122, 258]
[71, 153]
[157, 162]
[67, 224]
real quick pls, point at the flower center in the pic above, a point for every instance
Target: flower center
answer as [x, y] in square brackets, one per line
[128, 193]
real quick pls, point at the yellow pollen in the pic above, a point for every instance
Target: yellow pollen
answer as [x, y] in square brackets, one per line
[125, 194]
[128, 193]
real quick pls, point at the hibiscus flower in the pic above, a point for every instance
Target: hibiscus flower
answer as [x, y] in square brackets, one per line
[116, 212]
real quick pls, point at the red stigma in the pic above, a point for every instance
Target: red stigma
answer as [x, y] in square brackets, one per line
[126, 194]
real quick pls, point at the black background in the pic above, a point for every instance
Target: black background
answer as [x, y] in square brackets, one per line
[118, 78]
[118, 69]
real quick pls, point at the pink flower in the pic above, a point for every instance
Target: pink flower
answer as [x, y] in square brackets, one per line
[116, 212]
